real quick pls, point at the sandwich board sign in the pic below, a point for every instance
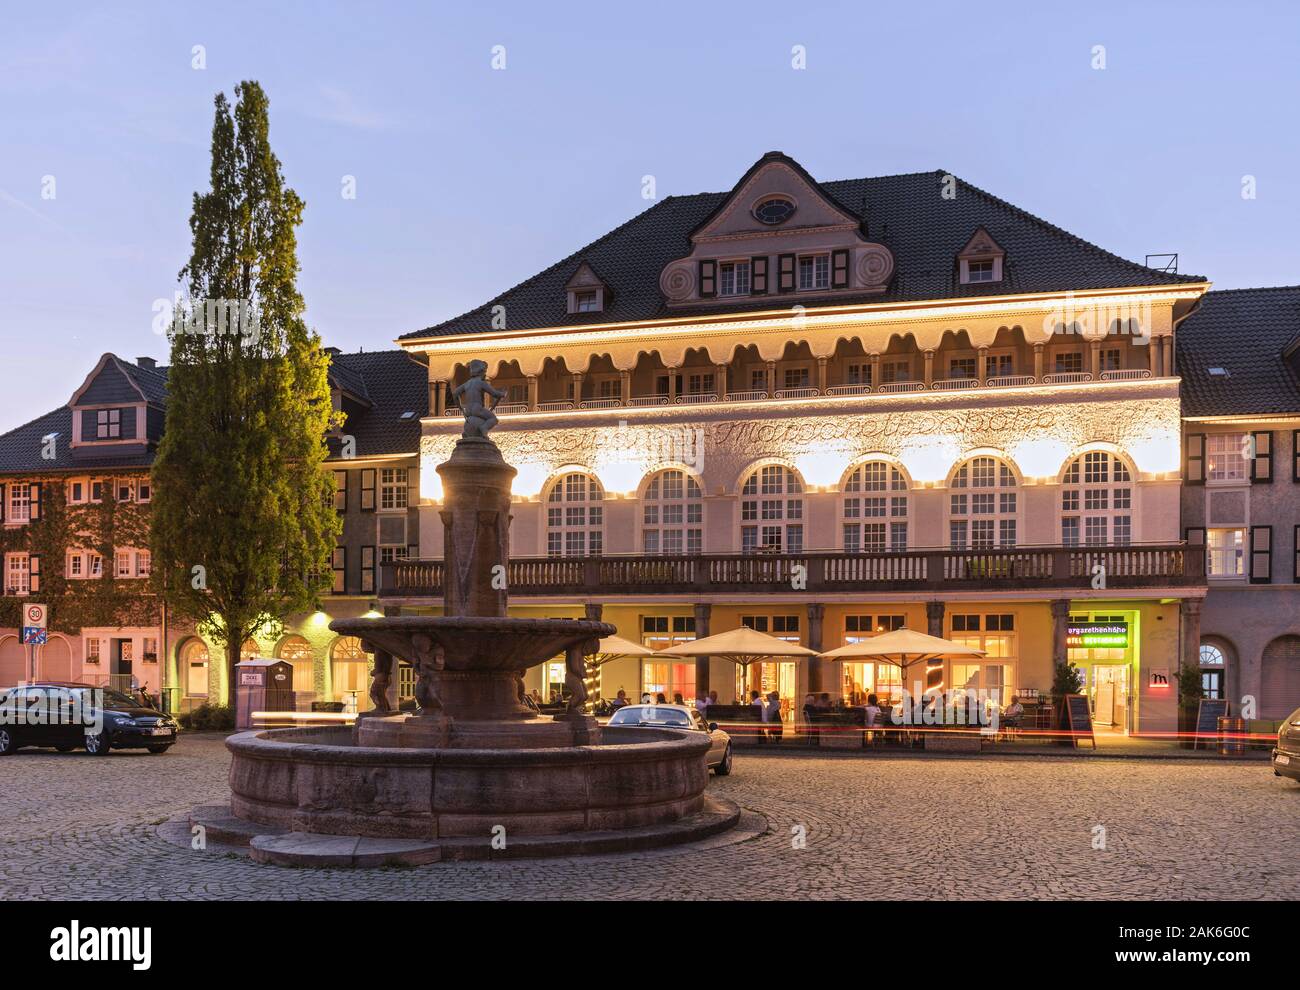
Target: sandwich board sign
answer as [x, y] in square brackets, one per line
[36, 624]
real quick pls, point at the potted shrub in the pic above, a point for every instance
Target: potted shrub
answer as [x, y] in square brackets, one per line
[1190, 693]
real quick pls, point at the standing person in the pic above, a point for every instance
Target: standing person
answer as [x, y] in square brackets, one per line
[645, 698]
[756, 701]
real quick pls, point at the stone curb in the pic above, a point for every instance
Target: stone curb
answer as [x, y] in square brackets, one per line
[805, 752]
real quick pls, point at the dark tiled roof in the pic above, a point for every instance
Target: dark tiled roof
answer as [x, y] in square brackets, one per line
[1243, 331]
[346, 377]
[395, 383]
[904, 212]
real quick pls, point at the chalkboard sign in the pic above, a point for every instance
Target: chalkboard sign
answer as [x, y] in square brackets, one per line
[1207, 720]
[1077, 718]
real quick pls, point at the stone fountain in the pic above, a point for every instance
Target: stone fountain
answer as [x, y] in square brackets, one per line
[474, 772]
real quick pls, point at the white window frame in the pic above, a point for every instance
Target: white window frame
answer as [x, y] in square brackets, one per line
[819, 268]
[1226, 560]
[18, 573]
[394, 489]
[1098, 494]
[772, 511]
[875, 494]
[20, 503]
[567, 499]
[1225, 460]
[968, 497]
[672, 514]
[734, 278]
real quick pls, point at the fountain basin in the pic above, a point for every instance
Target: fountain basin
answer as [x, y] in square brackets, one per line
[315, 780]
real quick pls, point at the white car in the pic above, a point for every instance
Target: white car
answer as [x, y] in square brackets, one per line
[680, 717]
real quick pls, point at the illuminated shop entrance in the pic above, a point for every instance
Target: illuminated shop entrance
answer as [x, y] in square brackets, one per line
[884, 680]
[768, 676]
[1103, 645]
[670, 680]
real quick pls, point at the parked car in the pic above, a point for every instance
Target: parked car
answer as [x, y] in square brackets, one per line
[75, 715]
[1286, 757]
[680, 717]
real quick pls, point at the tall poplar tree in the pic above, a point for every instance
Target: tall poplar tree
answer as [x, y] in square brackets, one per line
[243, 523]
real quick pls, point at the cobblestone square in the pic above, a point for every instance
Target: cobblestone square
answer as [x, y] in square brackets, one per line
[78, 827]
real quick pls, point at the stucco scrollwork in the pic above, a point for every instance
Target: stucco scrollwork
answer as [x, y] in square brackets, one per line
[875, 265]
[678, 280]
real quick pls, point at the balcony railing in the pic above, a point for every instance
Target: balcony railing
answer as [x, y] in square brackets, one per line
[808, 392]
[1009, 569]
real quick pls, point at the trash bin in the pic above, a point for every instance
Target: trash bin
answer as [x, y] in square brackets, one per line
[1230, 727]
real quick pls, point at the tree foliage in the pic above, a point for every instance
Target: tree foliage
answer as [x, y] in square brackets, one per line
[243, 522]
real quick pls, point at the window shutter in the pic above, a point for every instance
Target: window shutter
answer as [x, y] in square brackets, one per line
[367, 569]
[1261, 554]
[3, 503]
[840, 269]
[758, 276]
[341, 491]
[339, 563]
[785, 273]
[1295, 545]
[1194, 459]
[1261, 465]
[708, 279]
[368, 490]
[34, 572]
[1295, 456]
[34, 513]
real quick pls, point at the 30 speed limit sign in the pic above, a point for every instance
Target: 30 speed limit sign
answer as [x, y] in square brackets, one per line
[35, 624]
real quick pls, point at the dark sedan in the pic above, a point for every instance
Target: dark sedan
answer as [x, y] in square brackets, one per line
[1286, 757]
[68, 716]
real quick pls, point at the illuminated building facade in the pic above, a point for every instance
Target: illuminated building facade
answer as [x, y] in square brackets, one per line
[827, 409]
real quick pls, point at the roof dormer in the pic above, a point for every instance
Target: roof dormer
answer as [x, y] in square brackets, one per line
[777, 233]
[587, 292]
[980, 261]
[118, 410]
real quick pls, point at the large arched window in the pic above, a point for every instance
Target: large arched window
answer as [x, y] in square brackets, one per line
[874, 509]
[1096, 501]
[349, 668]
[672, 513]
[194, 667]
[298, 652]
[983, 505]
[575, 517]
[771, 511]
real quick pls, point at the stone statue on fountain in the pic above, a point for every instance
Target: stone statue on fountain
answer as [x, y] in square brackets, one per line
[471, 394]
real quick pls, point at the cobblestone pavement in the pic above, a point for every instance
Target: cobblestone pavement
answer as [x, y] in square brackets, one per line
[72, 826]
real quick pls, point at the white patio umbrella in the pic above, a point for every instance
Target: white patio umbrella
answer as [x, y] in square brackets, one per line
[741, 646]
[904, 648]
[611, 648]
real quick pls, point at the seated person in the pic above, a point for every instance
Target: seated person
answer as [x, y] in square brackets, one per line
[1014, 712]
[872, 711]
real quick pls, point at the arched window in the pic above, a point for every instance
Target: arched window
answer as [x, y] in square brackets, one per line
[1096, 501]
[874, 509]
[1213, 669]
[982, 507]
[771, 511]
[575, 517]
[298, 652]
[672, 514]
[349, 668]
[194, 667]
[1211, 655]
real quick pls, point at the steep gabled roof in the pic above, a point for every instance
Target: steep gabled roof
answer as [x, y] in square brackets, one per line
[906, 213]
[1244, 332]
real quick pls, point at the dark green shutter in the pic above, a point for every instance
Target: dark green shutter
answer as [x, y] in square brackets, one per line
[1295, 456]
[34, 573]
[708, 279]
[1261, 465]
[34, 511]
[785, 273]
[368, 490]
[758, 276]
[339, 563]
[1261, 554]
[1295, 545]
[367, 570]
[341, 491]
[1194, 459]
[3, 503]
[840, 269]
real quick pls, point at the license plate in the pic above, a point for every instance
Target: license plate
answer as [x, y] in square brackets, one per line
[1282, 759]
[161, 732]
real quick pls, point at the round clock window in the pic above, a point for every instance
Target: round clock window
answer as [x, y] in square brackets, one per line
[774, 211]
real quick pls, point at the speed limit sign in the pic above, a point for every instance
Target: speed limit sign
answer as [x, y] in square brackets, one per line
[35, 624]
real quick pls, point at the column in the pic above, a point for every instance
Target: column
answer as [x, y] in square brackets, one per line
[625, 387]
[929, 368]
[982, 364]
[821, 375]
[875, 371]
[1038, 362]
[577, 388]
[702, 613]
[816, 615]
[1060, 619]
[437, 394]
[1094, 358]
[532, 392]
[771, 379]
[934, 612]
[1167, 354]
[1189, 611]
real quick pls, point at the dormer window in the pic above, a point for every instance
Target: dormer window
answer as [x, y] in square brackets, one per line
[586, 302]
[980, 261]
[733, 278]
[586, 291]
[979, 271]
[814, 272]
[108, 424]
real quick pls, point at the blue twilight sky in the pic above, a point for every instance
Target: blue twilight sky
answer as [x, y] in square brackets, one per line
[469, 179]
